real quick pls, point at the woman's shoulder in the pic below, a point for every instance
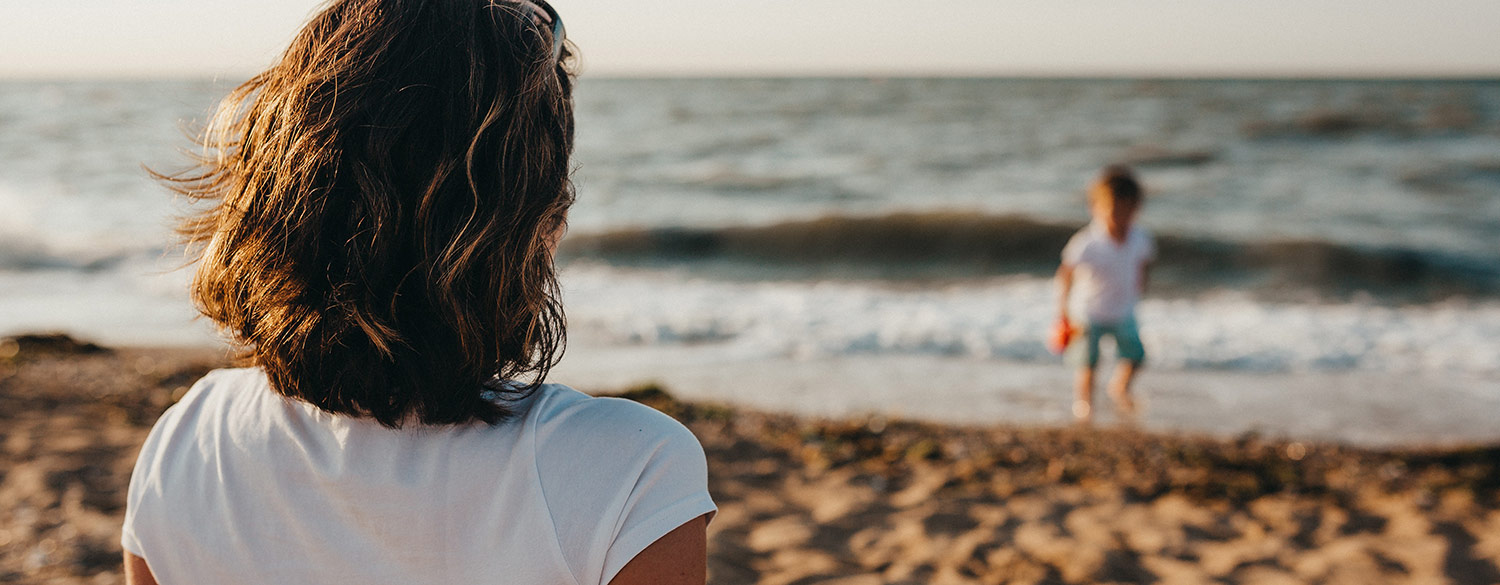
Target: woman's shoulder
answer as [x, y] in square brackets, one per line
[556, 415]
[618, 468]
[216, 383]
[562, 413]
[205, 410]
[216, 390]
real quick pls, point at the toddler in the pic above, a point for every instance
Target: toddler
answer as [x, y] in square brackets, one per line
[1109, 259]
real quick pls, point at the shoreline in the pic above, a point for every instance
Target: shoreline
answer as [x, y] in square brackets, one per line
[857, 500]
[1358, 409]
[1370, 410]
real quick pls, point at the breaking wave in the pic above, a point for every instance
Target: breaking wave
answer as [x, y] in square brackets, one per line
[951, 245]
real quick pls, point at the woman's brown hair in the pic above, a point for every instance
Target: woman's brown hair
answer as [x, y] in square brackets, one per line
[382, 204]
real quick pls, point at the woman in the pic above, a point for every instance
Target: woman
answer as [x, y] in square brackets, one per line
[383, 207]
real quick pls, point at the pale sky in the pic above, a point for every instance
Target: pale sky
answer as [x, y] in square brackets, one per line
[232, 38]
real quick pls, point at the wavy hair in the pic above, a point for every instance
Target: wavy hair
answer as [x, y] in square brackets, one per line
[381, 208]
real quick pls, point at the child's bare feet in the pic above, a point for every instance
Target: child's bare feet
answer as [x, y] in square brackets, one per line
[1119, 388]
[1083, 396]
[1083, 412]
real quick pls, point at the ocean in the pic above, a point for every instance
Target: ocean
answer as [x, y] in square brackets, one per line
[1329, 267]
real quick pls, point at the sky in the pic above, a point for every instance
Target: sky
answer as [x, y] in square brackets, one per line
[1191, 38]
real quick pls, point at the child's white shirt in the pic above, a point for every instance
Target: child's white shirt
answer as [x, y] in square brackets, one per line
[238, 484]
[1107, 273]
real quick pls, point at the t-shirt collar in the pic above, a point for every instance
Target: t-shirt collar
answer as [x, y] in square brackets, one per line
[1101, 231]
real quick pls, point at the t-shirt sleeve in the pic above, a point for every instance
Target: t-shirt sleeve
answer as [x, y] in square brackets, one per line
[147, 513]
[671, 490]
[1072, 253]
[617, 476]
[145, 480]
[129, 540]
[1148, 247]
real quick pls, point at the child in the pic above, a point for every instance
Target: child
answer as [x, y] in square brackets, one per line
[1110, 259]
[383, 205]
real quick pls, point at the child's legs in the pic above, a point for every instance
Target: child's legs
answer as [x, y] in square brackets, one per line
[1083, 394]
[1119, 386]
[1132, 355]
[1083, 354]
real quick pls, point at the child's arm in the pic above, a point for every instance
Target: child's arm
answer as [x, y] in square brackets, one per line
[1145, 276]
[1064, 289]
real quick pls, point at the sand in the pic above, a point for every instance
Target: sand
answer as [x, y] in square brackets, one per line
[855, 501]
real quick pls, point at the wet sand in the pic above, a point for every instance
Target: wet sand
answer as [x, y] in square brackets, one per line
[855, 501]
[1368, 409]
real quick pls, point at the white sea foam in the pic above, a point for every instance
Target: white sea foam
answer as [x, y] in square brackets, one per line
[1006, 319]
[38, 232]
[141, 301]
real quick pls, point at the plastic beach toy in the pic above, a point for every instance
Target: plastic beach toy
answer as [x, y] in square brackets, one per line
[1062, 333]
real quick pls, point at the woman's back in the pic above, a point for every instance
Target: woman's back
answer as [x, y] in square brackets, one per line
[274, 490]
[381, 210]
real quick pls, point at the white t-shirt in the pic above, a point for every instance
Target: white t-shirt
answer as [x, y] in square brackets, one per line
[1108, 273]
[237, 484]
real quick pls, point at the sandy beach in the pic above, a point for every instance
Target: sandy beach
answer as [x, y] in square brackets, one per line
[854, 501]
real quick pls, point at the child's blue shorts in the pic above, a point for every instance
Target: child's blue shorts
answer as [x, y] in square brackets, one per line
[1084, 349]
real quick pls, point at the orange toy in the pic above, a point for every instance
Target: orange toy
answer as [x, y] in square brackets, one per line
[1062, 333]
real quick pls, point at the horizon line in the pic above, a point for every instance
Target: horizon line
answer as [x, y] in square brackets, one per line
[792, 75]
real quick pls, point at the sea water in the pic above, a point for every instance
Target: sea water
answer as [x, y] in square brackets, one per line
[839, 246]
